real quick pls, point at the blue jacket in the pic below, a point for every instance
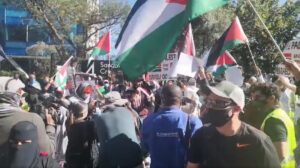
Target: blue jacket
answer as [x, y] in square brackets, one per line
[164, 137]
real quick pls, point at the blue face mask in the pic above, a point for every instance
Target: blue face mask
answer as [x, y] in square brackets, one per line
[106, 85]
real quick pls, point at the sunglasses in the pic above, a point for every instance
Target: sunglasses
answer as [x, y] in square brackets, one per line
[218, 104]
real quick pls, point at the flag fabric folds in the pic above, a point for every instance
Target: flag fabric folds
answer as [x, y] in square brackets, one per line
[231, 38]
[223, 62]
[61, 77]
[102, 47]
[187, 64]
[151, 30]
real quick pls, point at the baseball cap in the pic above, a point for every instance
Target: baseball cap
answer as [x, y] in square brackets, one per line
[228, 90]
[114, 98]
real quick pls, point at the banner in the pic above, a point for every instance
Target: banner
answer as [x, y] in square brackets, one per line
[162, 71]
[292, 50]
[103, 67]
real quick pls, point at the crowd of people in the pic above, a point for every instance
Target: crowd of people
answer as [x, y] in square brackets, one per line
[187, 122]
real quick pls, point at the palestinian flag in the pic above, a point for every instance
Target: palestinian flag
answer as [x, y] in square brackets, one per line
[232, 37]
[102, 47]
[151, 30]
[61, 77]
[223, 62]
[187, 64]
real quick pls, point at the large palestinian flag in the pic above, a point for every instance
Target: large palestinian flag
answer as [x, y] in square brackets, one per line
[151, 30]
[232, 37]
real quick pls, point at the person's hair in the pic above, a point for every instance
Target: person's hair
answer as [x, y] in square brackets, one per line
[182, 82]
[171, 95]
[74, 60]
[78, 109]
[267, 89]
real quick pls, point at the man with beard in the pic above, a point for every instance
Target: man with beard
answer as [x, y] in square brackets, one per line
[276, 123]
[228, 142]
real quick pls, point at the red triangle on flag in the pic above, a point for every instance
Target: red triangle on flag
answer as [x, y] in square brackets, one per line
[236, 32]
[182, 2]
[226, 59]
[104, 42]
[189, 46]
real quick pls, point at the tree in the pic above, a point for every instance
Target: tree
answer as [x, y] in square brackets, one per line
[208, 28]
[281, 21]
[59, 17]
[41, 49]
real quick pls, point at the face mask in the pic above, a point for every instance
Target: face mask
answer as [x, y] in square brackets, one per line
[218, 118]
[106, 85]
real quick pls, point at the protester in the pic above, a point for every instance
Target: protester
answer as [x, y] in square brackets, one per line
[61, 138]
[81, 137]
[228, 142]
[33, 82]
[276, 123]
[166, 134]
[11, 114]
[287, 96]
[190, 99]
[24, 150]
[48, 85]
[141, 100]
[118, 133]
[71, 76]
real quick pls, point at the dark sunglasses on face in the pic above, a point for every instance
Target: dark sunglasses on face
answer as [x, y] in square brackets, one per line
[218, 104]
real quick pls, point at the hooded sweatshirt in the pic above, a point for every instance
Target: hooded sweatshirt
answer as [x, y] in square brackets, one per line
[11, 114]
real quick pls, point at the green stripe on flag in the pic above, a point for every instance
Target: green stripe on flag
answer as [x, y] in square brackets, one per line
[197, 8]
[228, 45]
[98, 52]
[221, 70]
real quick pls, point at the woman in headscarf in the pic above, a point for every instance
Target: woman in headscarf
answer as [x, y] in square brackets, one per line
[24, 150]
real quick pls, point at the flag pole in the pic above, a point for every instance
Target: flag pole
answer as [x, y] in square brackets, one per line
[63, 65]
[252, 57]
[269, 33]
[90, 68]
[108, 68]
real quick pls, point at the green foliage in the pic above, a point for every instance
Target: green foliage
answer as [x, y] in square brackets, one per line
[208, 28]
[280, 20]
[60, 16]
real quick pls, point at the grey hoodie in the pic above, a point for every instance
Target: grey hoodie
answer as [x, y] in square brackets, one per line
[11, 114]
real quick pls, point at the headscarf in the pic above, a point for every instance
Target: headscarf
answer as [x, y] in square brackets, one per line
[84, 91]
[10, 98]
[23, 155]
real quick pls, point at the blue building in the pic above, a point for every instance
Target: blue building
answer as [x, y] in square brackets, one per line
[18, 31]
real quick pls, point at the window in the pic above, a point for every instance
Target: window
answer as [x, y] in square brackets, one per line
[16, 33]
